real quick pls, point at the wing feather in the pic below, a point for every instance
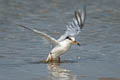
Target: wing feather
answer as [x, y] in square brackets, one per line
[76, 25]
[50, 39]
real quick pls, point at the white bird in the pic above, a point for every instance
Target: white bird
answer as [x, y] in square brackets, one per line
[62, 44]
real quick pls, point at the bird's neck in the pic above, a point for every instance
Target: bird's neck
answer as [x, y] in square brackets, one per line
[67, 42]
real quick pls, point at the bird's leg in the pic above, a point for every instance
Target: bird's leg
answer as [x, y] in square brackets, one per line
[59, 59]
[51, 57]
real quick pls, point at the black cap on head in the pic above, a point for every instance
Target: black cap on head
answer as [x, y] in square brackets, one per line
[68, 38]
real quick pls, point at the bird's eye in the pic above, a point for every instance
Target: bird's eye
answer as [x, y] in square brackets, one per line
[68, 38]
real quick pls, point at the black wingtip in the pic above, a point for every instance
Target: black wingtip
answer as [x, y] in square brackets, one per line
[84, 11]
[80, 16]
[24, 27]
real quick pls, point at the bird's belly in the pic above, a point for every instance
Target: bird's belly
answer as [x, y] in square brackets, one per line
[58, 51]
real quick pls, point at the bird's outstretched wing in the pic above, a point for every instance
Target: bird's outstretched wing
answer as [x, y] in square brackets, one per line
[50, 39]
[77, 24]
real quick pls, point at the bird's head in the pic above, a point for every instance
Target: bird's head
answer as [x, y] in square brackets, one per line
[72, 39]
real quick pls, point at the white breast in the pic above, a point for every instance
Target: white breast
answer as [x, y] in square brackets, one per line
[61, 49]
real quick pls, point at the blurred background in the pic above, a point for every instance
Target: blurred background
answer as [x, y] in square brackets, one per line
[98, 57]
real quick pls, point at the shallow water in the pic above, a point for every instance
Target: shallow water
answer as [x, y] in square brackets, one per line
[21, 51]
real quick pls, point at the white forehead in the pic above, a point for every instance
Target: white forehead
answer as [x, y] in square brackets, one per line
[72, 38]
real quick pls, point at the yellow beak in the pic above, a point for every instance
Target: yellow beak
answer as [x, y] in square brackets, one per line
[76, 43]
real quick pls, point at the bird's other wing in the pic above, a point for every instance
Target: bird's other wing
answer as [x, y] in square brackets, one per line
[50, 39]
[80, 16]
[76, 25]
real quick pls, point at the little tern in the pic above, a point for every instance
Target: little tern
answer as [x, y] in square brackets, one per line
[62, 44]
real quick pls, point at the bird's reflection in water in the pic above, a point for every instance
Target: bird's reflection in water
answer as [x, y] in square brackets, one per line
[58, 73]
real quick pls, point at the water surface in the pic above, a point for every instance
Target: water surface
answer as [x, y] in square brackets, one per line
[21, 51]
